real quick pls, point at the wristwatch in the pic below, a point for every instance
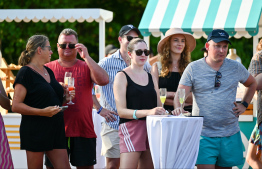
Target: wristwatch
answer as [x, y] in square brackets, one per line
[244, 103]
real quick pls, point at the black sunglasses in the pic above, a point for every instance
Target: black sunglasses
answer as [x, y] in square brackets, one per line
[139, 52]
[63, 46]
[218, 76]
[129, 38]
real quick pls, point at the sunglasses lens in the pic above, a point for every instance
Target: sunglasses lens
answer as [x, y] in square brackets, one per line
[218, 75]
[146, 52]
[62, 46]
[217, 83]
[139, 52]
[71, 46]
[129, 38]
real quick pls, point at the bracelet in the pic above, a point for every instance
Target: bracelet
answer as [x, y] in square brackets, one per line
[99, 110]
[134, 115]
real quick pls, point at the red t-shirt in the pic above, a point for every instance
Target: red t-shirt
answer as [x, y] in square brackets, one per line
[78, 117]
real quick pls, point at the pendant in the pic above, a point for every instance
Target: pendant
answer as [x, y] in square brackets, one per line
[45, 74]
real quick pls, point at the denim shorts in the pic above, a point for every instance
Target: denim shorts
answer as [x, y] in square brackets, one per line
[221, 151]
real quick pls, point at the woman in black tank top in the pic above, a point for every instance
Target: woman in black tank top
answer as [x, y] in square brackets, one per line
[137, 96]
[174, 52]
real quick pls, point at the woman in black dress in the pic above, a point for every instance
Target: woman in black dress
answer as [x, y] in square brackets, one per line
[174, 53]
[37, 97]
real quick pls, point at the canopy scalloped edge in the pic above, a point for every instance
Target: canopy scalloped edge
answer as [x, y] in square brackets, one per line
[198, 35]
[54, 15]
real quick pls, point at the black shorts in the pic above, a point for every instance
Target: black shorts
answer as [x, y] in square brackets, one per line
[82, 151]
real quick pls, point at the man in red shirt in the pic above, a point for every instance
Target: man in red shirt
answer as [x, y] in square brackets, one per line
[79, 128]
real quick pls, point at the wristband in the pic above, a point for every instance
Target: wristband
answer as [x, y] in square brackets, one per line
[244, 103]
[134, 115]
[99, 110]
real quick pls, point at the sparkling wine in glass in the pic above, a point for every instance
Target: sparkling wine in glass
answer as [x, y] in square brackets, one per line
[71, 82]
[67, 76]
[181, 96]
[163, 95]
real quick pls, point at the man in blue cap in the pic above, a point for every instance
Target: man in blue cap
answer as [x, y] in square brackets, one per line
[213, 81]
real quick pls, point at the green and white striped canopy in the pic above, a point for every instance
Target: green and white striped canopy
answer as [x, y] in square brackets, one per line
[240, 18]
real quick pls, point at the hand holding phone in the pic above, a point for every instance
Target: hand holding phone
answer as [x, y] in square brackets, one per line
[63, 108]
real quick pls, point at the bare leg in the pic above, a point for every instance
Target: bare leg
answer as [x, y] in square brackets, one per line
[129, 160]
[218, 167]
[34, 159]
[112, 163]
[86, 167]
[58, 158]
[205, 166]
[145, 160]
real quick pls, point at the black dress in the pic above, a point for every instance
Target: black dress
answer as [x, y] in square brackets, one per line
[139, 97]
[171, 82]
[39, 133]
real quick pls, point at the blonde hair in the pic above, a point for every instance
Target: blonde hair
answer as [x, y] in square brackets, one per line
[166, 59]
[259, 45]
[32, 44]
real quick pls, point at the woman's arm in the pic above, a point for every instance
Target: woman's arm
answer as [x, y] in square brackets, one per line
[120, 84]
[252, 158]
[20, 107]
[4, 100]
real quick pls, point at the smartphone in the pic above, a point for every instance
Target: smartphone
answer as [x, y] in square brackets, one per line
[63, 108]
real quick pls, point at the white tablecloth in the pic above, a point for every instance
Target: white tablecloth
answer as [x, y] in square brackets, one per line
[174, 141]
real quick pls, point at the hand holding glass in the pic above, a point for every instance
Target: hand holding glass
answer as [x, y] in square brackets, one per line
[163, 95]
[181, 96]
[71, 82]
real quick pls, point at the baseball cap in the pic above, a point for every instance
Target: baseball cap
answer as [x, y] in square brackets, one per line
[110, 49]
[127, 28]
[218, 35]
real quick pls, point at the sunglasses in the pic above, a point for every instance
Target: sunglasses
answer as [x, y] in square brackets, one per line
[217, 81]
[63, 46]
[139, 52]
[129, 38]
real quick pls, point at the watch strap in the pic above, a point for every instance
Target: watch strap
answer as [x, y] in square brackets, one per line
[244, 103]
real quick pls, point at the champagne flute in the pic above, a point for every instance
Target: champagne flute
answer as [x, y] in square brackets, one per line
[67, 76]
[163, 95]
[71, 82]
[181, 96]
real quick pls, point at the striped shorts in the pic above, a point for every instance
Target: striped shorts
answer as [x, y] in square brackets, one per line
[133, 136]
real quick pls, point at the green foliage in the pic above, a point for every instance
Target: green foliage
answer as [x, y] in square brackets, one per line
[13, 36]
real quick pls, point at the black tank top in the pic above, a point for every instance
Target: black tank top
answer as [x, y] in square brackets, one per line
[171, 82]
[139, 97]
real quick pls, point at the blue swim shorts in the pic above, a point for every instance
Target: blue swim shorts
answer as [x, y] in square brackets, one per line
[221, 151]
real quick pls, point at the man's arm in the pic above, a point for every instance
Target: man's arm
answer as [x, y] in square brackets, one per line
[177, 105]
[108, 115]
[98, 75]
[251, 86]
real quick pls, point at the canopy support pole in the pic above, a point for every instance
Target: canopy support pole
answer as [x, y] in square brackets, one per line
[255, 42]
[101, 39]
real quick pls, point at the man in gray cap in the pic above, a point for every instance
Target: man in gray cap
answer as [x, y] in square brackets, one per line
[213, 81]
[113, 64]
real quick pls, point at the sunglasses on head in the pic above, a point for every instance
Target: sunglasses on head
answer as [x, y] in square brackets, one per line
[129, 38]
[139, 52]
[63, 46]
[217, 81]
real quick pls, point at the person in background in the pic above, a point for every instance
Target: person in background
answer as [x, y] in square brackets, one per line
[137, 96]
[214, 86]
[253, 157]
[5, 153]
[109, 50]
[205, 51]
[38, 97]
[113, 64]
[174, 51]
[79, 127]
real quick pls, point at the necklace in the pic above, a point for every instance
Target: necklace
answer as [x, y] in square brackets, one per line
[39, 69]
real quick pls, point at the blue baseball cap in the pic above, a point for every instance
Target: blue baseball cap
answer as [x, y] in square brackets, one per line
[218, 35]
